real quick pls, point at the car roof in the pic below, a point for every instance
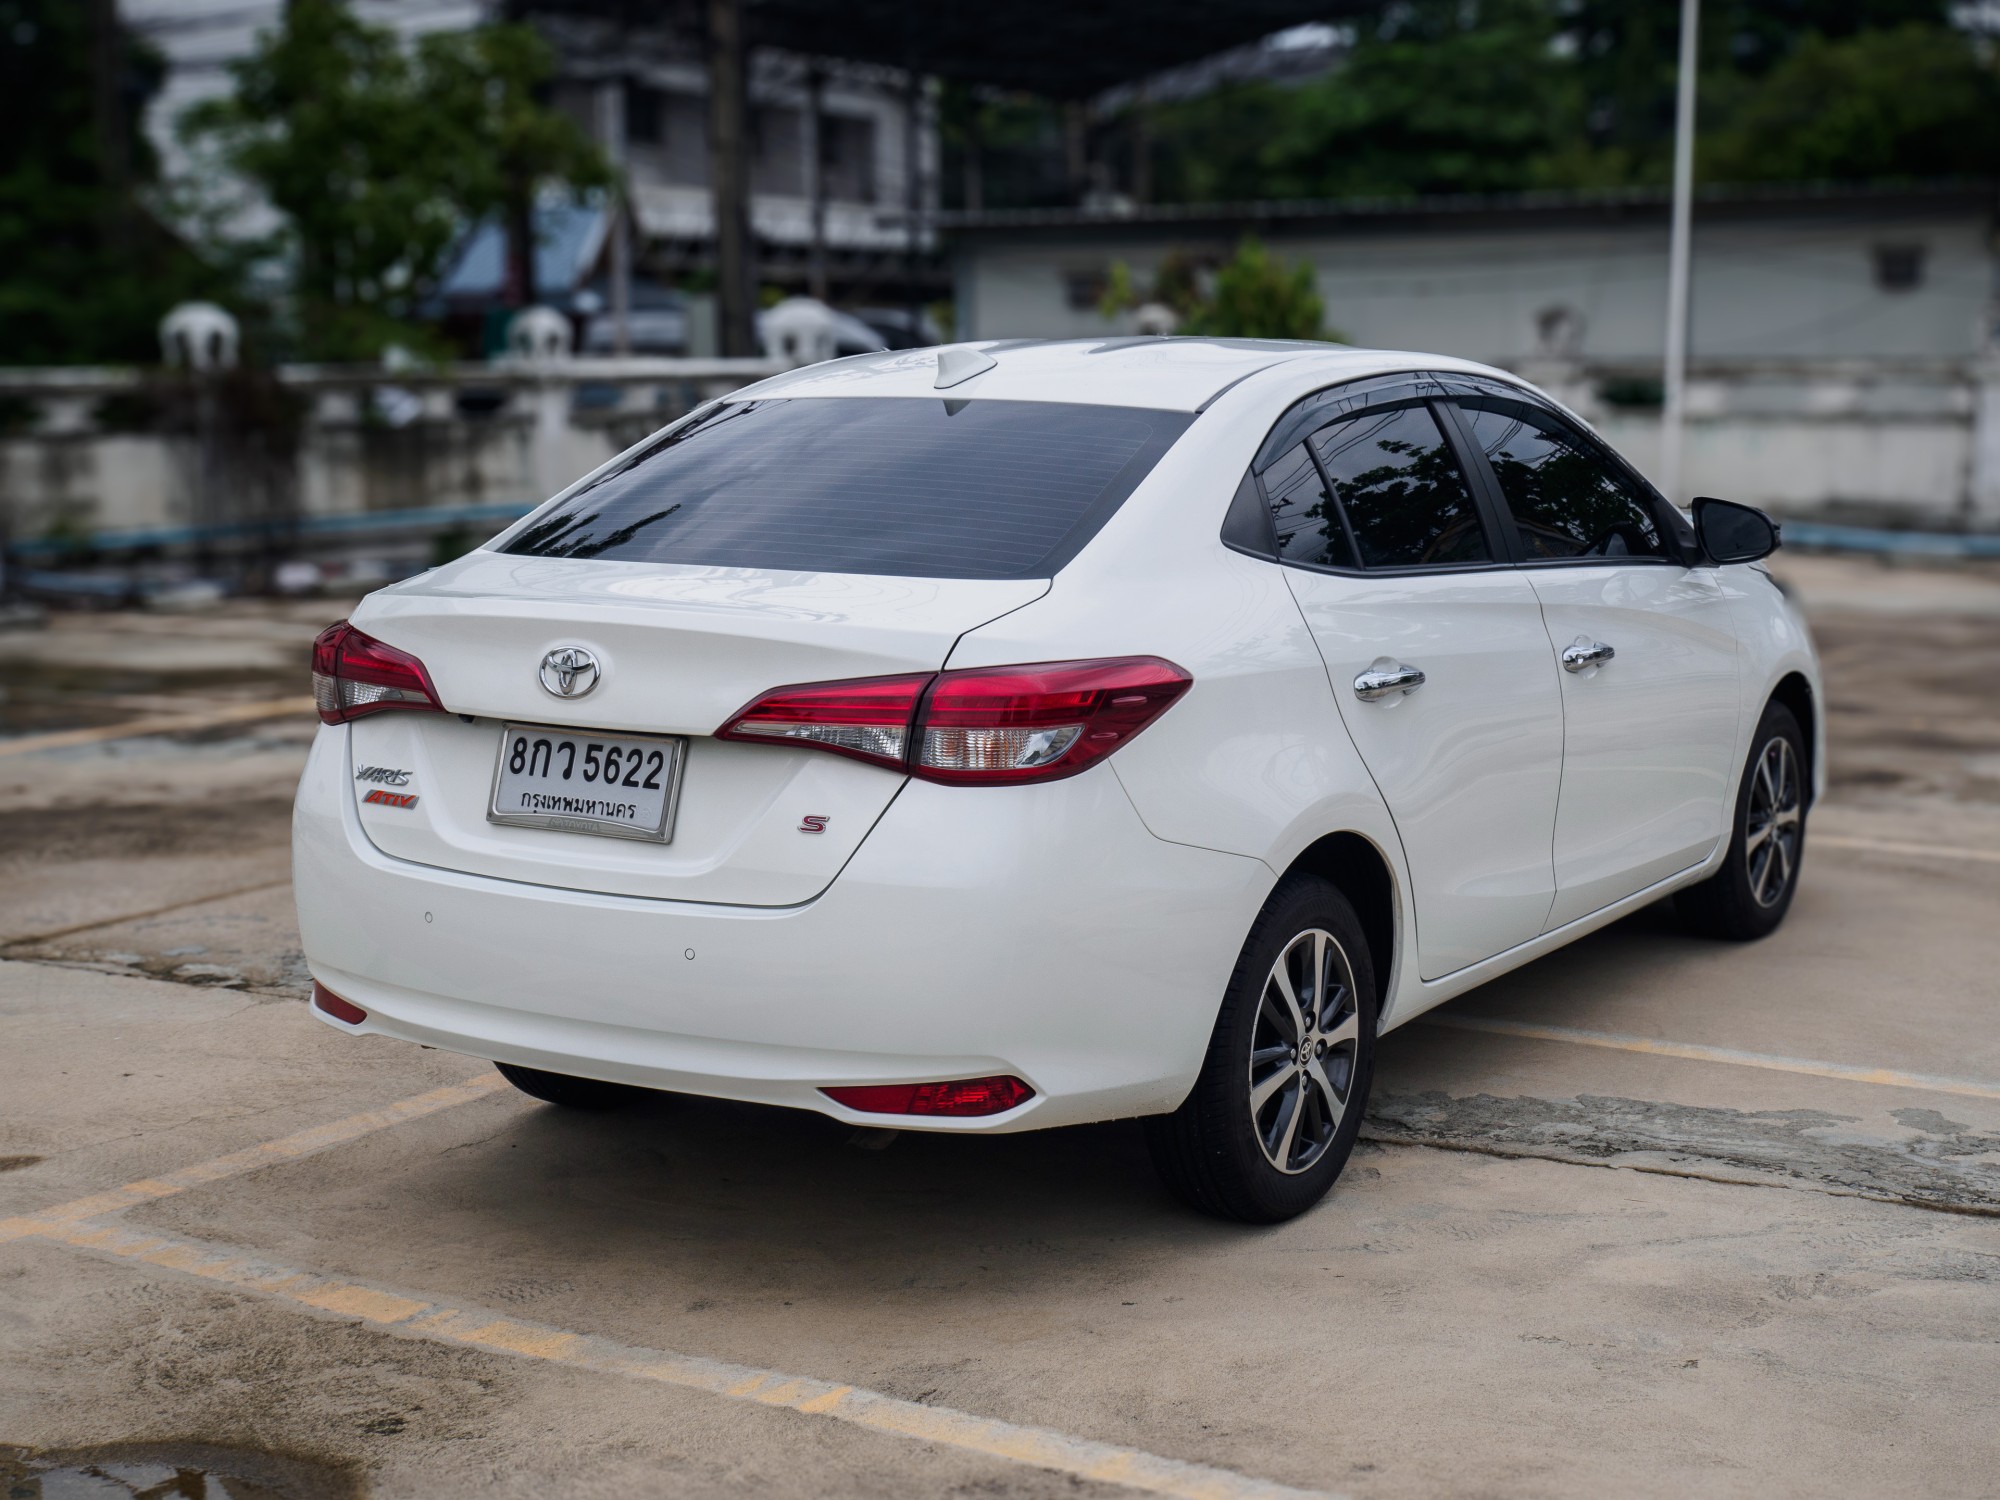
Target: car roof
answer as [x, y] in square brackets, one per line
[1171, 374]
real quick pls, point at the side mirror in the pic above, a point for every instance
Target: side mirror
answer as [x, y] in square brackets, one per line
[1732, 533]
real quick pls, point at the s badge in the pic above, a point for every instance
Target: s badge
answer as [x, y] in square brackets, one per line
[814, 823]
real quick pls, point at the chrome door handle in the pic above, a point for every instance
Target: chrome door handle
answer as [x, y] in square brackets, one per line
[1386, 678]
[1584, 653]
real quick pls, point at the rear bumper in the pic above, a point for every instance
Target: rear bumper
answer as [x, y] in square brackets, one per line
[1039, 931]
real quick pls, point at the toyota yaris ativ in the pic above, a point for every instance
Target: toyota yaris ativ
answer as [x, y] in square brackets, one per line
[1005, 736]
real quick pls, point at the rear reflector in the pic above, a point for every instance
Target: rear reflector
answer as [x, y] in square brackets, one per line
[355, 674]
[961, 1098]
[341, 1010]
[983, 726]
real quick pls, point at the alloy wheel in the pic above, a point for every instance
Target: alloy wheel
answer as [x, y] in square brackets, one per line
[1303, 1051]
[1773, 826]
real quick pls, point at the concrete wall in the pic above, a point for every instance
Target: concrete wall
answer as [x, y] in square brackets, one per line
[1780, 289]
[471, 438]
[1817, 390]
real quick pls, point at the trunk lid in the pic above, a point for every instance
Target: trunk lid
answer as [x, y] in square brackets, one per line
[680, 649]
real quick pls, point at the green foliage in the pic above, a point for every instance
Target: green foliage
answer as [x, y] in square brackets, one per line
[85, 271]
[1258, 296]
[1446, 96]
[1914, 102]
[376, 158]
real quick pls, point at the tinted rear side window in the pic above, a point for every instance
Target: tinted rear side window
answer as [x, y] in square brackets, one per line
[898, 485]
[1401, 490]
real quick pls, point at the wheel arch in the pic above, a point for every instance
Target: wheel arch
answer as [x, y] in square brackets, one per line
[1796, 693]
[1361, 872]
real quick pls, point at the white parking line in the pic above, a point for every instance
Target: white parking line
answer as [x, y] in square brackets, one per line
[1618, 1042]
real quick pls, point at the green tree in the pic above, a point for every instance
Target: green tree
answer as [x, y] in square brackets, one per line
[1914, 102]
[487, 84]
[1258, 296]
[85, 270]
[376, 158]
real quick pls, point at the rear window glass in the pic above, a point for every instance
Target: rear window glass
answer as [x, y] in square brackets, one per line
[897, 485]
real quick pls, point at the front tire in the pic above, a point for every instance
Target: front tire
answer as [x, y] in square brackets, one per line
[1276, 1108]
[1749, 896]
[569, 1092]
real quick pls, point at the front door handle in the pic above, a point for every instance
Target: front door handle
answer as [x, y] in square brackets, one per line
[1583, 653]
[1386, 678]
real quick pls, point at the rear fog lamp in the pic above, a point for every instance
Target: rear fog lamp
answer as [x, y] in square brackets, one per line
[961, 1098]
[341, 1010]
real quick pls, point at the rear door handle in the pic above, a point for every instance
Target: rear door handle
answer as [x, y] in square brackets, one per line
[1584, 653]
[1386, 678]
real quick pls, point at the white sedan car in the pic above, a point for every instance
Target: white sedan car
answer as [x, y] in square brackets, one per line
[1013, 735]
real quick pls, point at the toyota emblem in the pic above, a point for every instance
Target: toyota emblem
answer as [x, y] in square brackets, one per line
[569, 671]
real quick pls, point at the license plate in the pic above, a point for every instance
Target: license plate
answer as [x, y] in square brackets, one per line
[620, 785]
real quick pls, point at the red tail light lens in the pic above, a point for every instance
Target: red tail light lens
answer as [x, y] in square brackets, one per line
[1039, 722]
[341, 1010]
[867, 718]
[355, 674]
[983, 726]
[962, 1098]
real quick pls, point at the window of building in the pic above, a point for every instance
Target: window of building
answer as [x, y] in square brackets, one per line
[1899, 268]
[777, 150]
[847, 157]
[645, 118]
[1567, 501]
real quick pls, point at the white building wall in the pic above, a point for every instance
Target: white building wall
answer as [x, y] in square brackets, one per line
[1795, 290]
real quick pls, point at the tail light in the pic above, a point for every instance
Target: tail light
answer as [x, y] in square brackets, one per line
[867, 718]
[355, 674]
[982, 726]
[962, 1098]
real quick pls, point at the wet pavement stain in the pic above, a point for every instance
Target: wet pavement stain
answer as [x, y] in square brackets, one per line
[1925, 1160]
[169, 1471]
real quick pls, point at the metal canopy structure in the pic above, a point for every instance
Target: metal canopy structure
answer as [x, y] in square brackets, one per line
[1059, 50]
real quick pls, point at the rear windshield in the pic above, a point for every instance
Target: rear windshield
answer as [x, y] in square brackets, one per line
[900, 485]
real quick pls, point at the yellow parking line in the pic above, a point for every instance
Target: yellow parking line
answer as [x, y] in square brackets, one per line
[414, 1315]
[269, 708]
[1883, 1077]
[250, 1158]
[1894, 846]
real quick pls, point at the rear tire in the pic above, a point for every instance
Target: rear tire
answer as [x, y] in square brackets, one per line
[570, 1093]
[1275, 1110]
[1748, 897]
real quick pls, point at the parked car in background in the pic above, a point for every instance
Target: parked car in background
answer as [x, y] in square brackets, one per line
[988, 739]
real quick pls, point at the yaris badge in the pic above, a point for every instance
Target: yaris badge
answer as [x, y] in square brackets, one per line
[569, 671]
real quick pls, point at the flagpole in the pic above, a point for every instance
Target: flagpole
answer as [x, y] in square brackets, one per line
[1673, 415]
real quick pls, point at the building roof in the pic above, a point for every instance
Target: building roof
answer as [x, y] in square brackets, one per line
[568, 240]
[1593, 206]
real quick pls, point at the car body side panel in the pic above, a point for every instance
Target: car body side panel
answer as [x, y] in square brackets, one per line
[1254, 760]
[1775, 642]
[1649, 762]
